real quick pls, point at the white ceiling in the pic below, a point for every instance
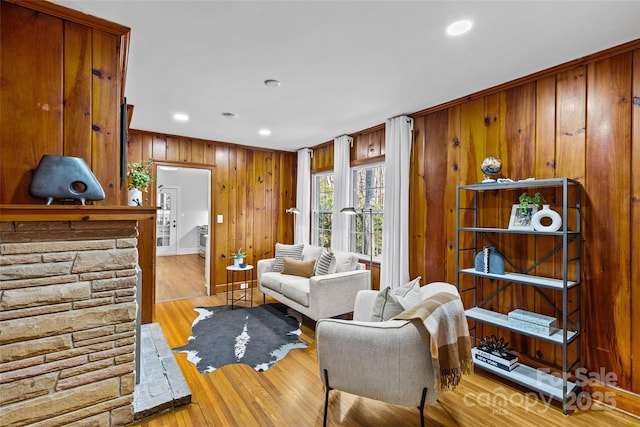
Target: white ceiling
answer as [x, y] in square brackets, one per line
[344, 65]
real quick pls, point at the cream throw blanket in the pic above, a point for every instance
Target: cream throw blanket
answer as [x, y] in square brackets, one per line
[443, 316]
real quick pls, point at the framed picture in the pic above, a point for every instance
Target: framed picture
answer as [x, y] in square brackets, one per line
[520, 220]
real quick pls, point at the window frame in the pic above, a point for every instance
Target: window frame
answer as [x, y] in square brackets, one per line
[363, 215]
[315, 208]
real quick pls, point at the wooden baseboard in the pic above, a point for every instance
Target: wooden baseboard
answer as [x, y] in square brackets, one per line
[615, 398]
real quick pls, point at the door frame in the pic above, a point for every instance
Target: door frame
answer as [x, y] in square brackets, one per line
[211, 290]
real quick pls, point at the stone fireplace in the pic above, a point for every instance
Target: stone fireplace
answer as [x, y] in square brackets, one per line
[68, 314]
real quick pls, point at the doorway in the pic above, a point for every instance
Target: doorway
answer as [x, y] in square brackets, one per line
[184, 210]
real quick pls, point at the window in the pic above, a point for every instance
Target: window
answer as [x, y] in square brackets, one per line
[368, 199]
[322, 209]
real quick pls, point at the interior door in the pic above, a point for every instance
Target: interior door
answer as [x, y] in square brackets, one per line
[167, 225]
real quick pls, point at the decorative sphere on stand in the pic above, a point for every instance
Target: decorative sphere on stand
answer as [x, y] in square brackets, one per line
[490, 167]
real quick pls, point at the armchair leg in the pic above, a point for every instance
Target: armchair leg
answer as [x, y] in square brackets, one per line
[326, 397]
[421, 407]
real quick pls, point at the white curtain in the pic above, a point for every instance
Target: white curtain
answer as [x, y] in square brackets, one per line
[341, 192]
[303, 198]
[394, 268]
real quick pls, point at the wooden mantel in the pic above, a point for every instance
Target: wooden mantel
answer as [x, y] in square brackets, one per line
[145, 216]
[74, 213]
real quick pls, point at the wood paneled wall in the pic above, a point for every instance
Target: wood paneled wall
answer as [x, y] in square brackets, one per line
[62, 84]
[251, 188]
[579, 120]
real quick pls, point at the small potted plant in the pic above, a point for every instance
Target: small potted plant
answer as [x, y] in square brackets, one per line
[238, 258]
[139, 175]
[526, 200]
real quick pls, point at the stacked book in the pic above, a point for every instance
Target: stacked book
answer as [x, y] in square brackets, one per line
[505, 361]
[532, 322]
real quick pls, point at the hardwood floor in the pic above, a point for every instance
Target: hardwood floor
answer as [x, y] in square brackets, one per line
[291, 393]
[179, 277]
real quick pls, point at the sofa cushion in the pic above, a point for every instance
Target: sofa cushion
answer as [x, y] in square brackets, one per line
[311, 252]
[271, 280]
[324, 262]
[343, 261]
[292, 251]
[294, 267]
[296, 289]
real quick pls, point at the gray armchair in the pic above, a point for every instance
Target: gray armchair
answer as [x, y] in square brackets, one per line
[380, 360]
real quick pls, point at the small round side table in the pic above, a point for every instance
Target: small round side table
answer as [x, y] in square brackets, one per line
[244, 272]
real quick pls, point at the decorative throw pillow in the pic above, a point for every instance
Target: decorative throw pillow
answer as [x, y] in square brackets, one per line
[385, 307]
[324, 262]
[298, 268]
[391, 302]
[343, 261]
[311, 252]
[292, 251]
[408, 294]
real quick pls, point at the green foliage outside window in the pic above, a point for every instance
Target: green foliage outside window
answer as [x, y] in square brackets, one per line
[368, 193]
[323, 211]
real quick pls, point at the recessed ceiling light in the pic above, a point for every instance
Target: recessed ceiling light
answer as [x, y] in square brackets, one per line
[230, 116]
[264, 132]
[459, 27]
[272, 83]
[181, 117]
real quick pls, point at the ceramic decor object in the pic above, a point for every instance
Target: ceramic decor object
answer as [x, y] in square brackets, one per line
[546, 212]
[65, 178]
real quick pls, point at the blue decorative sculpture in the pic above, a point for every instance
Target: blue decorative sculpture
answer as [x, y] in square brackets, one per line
[489, 261]
[65, 178]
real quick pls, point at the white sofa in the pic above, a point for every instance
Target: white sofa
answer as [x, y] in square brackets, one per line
[317, 297]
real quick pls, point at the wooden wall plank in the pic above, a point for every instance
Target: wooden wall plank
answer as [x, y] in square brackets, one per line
[185, 150]
[31, 99]
[239, 196]
[520, 137]
[173, 149]
[77, 91]
[545, 168]
[418, 202]
[571, 130]
[159, 147]
[288, 173]
[360, 148]
[197, 151]
[262, 226]
[571, 144]
[269, 203]
[219, 250]
[435, 167]
[453, 180]
[635, 227]
[105, 159]
[608, 230]
[209, 153]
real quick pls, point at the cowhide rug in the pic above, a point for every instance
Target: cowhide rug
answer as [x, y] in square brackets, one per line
[256, 336]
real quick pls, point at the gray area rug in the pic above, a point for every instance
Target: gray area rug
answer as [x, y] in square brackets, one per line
[256, 336]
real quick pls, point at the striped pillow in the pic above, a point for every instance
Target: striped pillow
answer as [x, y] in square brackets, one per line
[292, 251]
[324, 262]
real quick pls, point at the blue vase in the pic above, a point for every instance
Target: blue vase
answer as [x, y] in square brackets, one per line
[489, 261]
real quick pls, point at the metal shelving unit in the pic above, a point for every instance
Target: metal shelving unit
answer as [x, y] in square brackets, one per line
[471, 234]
